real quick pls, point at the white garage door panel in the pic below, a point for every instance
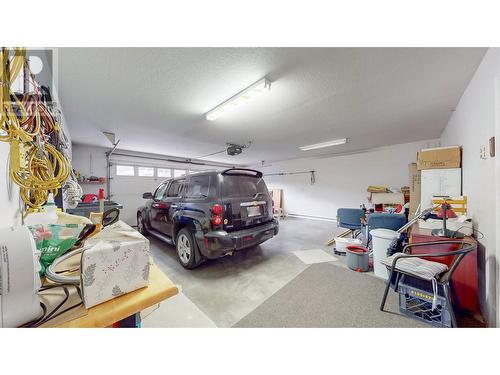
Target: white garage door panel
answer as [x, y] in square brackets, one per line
[128, 191]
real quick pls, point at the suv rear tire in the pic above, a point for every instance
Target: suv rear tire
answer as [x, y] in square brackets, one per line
[141, 225]
[187, 250]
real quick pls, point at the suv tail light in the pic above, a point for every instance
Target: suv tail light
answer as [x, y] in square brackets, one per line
[216, 215]
[216, 221]
[217, 209]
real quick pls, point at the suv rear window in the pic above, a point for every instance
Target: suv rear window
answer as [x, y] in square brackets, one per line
[242, 186]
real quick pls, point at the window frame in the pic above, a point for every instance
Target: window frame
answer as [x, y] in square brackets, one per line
[182, 182]
[166, 169]
[144, 166]
[166, 183]
[177, 169]
[125, 175]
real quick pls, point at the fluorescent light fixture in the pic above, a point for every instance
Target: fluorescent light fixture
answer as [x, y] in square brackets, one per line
[315, 146]
[257, 89]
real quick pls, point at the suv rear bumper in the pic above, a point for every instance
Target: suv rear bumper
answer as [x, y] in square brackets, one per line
[215, 244]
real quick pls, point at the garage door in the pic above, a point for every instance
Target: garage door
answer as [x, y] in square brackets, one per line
[130, 180]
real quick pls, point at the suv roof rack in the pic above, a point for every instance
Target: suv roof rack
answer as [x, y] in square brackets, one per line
[242, 172]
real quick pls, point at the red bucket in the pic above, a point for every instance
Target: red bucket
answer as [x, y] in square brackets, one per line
[357, 249]
[357, 258]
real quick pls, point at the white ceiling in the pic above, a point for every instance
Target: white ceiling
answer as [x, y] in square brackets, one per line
[155, 99]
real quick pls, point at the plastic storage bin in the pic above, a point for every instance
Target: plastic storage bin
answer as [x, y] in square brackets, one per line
[381, 240]
[416, 302]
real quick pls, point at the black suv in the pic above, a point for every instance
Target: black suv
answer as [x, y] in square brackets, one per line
[207, 215]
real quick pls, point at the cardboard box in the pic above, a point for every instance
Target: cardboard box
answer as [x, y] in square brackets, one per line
[116, 262]
[415, 185]
[439, 158]
[387, 198]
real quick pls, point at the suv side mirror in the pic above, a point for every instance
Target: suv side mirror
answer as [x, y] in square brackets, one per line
[147, 196]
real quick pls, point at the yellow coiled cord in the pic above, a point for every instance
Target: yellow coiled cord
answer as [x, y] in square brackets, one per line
[35, 164]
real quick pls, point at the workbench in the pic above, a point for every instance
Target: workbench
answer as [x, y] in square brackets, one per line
[123, 309]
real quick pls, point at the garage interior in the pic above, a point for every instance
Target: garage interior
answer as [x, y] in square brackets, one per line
[393, 133]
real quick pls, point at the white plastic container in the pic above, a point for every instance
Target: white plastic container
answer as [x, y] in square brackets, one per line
[381, 240]
[47, 216]
[341, 243]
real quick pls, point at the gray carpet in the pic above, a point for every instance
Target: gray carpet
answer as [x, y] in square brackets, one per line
[325, 295]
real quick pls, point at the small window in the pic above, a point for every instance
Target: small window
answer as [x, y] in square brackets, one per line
[125, 170]
[179, 172]
[164, 172]
[146, 171]
[198, 187]
[175, 188]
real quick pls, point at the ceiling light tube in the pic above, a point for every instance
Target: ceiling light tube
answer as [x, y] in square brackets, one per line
[315, 146]
[258, 88]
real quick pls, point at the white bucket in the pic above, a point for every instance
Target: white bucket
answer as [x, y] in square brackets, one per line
[381, 240]
[341, 243]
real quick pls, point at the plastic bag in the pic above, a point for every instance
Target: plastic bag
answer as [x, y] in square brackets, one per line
[54, 240]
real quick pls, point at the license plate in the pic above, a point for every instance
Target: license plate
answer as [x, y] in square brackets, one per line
[253, 211]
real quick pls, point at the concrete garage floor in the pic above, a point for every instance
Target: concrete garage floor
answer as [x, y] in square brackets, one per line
[221, 292]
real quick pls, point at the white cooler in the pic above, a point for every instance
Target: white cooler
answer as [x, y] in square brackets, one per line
[381, 240]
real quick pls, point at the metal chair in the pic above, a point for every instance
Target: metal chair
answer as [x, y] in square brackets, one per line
[350, 218]
[444, 280]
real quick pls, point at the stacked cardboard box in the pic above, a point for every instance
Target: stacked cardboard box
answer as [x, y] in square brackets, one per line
[439, 158]
[436, 172]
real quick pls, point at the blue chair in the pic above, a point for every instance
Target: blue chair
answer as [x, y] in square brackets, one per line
[384, 220]
[350, 218]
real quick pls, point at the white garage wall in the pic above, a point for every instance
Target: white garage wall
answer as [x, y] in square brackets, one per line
[82, 162]
[9, 193]
[471, 125]
[341, 181]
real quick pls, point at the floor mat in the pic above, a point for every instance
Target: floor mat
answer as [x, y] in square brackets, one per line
[314, 256]
[325, 295]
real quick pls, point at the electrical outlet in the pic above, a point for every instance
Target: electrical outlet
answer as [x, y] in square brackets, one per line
[482, 152]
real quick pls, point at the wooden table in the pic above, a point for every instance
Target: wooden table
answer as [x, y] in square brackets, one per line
[126, 306]
[465, 277]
